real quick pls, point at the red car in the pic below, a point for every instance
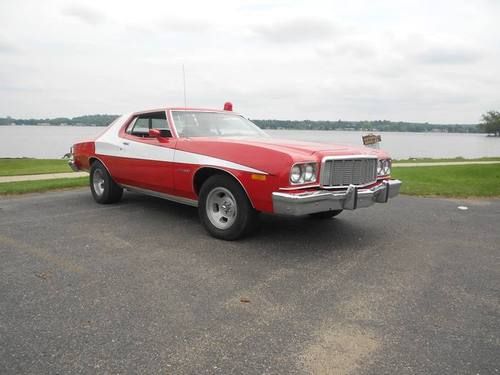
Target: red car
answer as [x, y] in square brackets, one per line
[229, 168]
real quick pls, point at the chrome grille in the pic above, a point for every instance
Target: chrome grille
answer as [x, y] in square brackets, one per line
[344, 172]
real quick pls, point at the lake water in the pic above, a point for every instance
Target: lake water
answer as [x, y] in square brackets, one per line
[55, 141]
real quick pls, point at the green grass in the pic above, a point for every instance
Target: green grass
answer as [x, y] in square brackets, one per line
[22, 187]
[430, 160]
[451, 181]
[446, 181]
[23, 166]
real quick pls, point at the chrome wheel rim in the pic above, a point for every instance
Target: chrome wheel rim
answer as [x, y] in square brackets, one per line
[221, 208]
[98, 182]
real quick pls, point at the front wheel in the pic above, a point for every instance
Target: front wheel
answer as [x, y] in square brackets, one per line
[103, 188]
[225, 209]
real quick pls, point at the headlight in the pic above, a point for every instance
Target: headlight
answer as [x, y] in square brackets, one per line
[296, 174]
[303, 173]
[308, 172]
[384, 167]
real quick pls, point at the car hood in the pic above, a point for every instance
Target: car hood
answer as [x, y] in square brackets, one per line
[270, 154]
[302, 148]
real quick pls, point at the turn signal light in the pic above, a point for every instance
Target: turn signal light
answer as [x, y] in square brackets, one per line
[259, 177]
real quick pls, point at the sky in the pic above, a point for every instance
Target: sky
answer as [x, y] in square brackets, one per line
[425, 61]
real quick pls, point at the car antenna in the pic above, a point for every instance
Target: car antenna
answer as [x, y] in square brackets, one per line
[184, 81]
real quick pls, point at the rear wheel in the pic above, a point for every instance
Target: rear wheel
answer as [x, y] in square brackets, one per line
[326, 214]
[103, 188]
[225, 209]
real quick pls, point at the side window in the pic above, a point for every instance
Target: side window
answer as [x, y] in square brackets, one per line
[140, 126]
[160, 124]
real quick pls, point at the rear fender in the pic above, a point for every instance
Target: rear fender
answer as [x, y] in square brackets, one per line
[82, 152]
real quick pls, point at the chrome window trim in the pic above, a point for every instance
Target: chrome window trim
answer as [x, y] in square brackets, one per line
[136, 115]
[130, 126]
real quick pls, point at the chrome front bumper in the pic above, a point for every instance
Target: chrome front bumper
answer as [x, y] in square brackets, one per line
[322, 200]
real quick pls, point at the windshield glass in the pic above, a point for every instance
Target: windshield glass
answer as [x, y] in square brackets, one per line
[214, 124]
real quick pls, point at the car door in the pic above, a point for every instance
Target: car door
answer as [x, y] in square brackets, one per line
[147, 161]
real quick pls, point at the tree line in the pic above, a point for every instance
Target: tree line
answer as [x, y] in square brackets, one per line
[490, 124]
[378, 125]
[88, 120]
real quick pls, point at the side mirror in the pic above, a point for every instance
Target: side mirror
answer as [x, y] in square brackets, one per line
[155, 133]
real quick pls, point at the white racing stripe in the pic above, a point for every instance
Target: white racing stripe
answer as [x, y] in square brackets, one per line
[198, 159]
[110, 144]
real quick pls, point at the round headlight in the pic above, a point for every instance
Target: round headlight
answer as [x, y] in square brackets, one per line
[387, 167]
[308, 172]
[296, 174]
[380, 167]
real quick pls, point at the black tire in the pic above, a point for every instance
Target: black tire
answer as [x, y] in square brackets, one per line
[103, 188]
[325, 214]
[218, 195]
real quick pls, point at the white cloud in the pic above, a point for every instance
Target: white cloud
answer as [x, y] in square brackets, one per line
[300, 29]
[7, 48]
[84, 13]
[447, 55]
[321, 59]
[186, 25]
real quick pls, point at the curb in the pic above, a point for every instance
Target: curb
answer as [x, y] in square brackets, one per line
[38, 177]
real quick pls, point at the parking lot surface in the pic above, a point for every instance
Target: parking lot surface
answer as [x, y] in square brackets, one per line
[410, 287]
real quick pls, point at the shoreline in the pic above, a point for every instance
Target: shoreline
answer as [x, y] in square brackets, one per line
[363, 130]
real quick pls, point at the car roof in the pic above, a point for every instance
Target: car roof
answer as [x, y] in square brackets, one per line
[182, 109]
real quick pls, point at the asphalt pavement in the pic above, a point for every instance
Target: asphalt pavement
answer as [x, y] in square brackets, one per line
[409, 287]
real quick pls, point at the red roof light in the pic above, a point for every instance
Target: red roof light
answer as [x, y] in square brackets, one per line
[228, 106]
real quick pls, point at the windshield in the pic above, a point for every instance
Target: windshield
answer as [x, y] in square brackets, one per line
[214, 124]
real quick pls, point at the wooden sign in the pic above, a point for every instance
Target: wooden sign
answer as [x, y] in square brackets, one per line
[371, 139]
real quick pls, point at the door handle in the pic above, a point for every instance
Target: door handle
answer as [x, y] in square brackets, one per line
[126, 143]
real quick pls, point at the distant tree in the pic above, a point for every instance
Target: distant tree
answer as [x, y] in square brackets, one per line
[490, 123]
